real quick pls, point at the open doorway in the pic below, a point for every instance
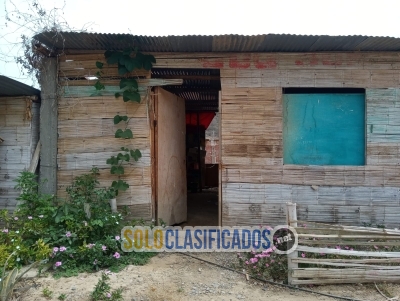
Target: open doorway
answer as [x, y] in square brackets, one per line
[200, 93]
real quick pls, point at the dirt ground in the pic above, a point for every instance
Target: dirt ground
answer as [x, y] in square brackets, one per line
[179, 277]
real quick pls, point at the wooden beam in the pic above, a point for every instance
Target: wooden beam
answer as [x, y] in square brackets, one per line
[48, 127]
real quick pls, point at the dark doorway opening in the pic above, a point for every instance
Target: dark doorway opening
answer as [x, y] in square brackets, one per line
[200, 90]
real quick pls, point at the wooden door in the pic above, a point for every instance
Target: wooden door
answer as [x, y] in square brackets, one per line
[171, 195]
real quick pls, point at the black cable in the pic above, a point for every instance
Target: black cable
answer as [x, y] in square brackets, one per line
[275, 283]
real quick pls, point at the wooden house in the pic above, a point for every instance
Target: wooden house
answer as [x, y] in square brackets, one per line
[19, 135]
[313, 120]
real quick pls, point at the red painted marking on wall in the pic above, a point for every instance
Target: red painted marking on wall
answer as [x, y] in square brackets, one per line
[234, 63]
[313, 60]
[215, 64]
[299, 63]
[331, 63]
[271, 64]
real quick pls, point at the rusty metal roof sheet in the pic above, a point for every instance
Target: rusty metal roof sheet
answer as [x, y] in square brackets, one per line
[10, 87]
[217, 43]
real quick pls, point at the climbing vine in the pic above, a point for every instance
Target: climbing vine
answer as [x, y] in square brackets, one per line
[127, 61]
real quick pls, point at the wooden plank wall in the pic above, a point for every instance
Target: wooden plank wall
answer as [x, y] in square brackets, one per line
[256, 184]
[19, 127]
[86, 131]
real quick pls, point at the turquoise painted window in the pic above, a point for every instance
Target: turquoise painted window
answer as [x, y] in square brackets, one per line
[324, 129]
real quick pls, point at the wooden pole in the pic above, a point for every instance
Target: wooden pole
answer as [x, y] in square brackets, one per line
[48, 127]
[291, 220]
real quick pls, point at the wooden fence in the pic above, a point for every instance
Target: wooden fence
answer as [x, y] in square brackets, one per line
[328, 254]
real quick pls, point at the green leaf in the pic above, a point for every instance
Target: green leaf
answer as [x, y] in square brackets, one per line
[136, 154]
[122, 70]
[131, 96]
[99, 86]
[117, 95]
[118, 119]
[126, 157]
[151, 58]
[147, 65]
[117, 170]
[108, 53]
[99, 65]
[127, 51]
[119, 133]
[128, 134]
[128, 82]
[130, 65]
[114, 58]
[113, 160]
[120, 185]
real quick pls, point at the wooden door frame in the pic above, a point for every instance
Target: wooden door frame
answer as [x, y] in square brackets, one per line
[153, 108]
[220, 159]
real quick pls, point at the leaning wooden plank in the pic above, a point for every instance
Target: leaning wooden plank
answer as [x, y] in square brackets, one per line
[347, 252]
[35, 158]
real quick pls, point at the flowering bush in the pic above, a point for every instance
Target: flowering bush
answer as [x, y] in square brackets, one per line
[76, 234]
[265, 264]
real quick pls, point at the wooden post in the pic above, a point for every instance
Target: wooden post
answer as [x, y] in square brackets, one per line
[48, 127]
[291, 220]
[113, 204]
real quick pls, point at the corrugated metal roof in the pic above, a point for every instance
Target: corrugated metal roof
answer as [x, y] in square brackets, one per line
[217, 43]
[10, 87]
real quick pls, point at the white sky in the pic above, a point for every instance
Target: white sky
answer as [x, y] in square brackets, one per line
[208, 17]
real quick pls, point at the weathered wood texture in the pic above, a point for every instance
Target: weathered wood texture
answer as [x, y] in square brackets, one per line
[48, 126]
[256, 184]
[86, 139]
[19, 127]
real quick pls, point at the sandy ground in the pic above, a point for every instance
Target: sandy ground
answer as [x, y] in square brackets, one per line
[179, 277]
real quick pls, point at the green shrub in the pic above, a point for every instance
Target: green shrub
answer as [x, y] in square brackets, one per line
[77, 234]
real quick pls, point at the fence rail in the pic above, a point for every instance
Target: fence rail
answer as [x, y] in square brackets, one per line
[374, 261]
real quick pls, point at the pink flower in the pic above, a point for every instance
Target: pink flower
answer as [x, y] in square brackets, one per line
[108, 295]
[272, 261]
[103, 248]
[338, 247]
[253, 260]
[16, 218]
[386, 247]
[117, 237]
[5, 231]
[246, 262]
[29, 217]
[351, 249]
[303, 255]
[117, 255]
[90, 246]
[55, 250]
[58, 263]
[346, 247]
[267, 265]
[62, 249]
[376, 247]
[68, 234]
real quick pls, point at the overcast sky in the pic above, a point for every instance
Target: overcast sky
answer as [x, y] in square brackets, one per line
[209, 17]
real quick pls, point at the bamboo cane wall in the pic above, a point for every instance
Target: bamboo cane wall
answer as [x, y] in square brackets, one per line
[19, 128]
[255, 183]
[86, 131]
